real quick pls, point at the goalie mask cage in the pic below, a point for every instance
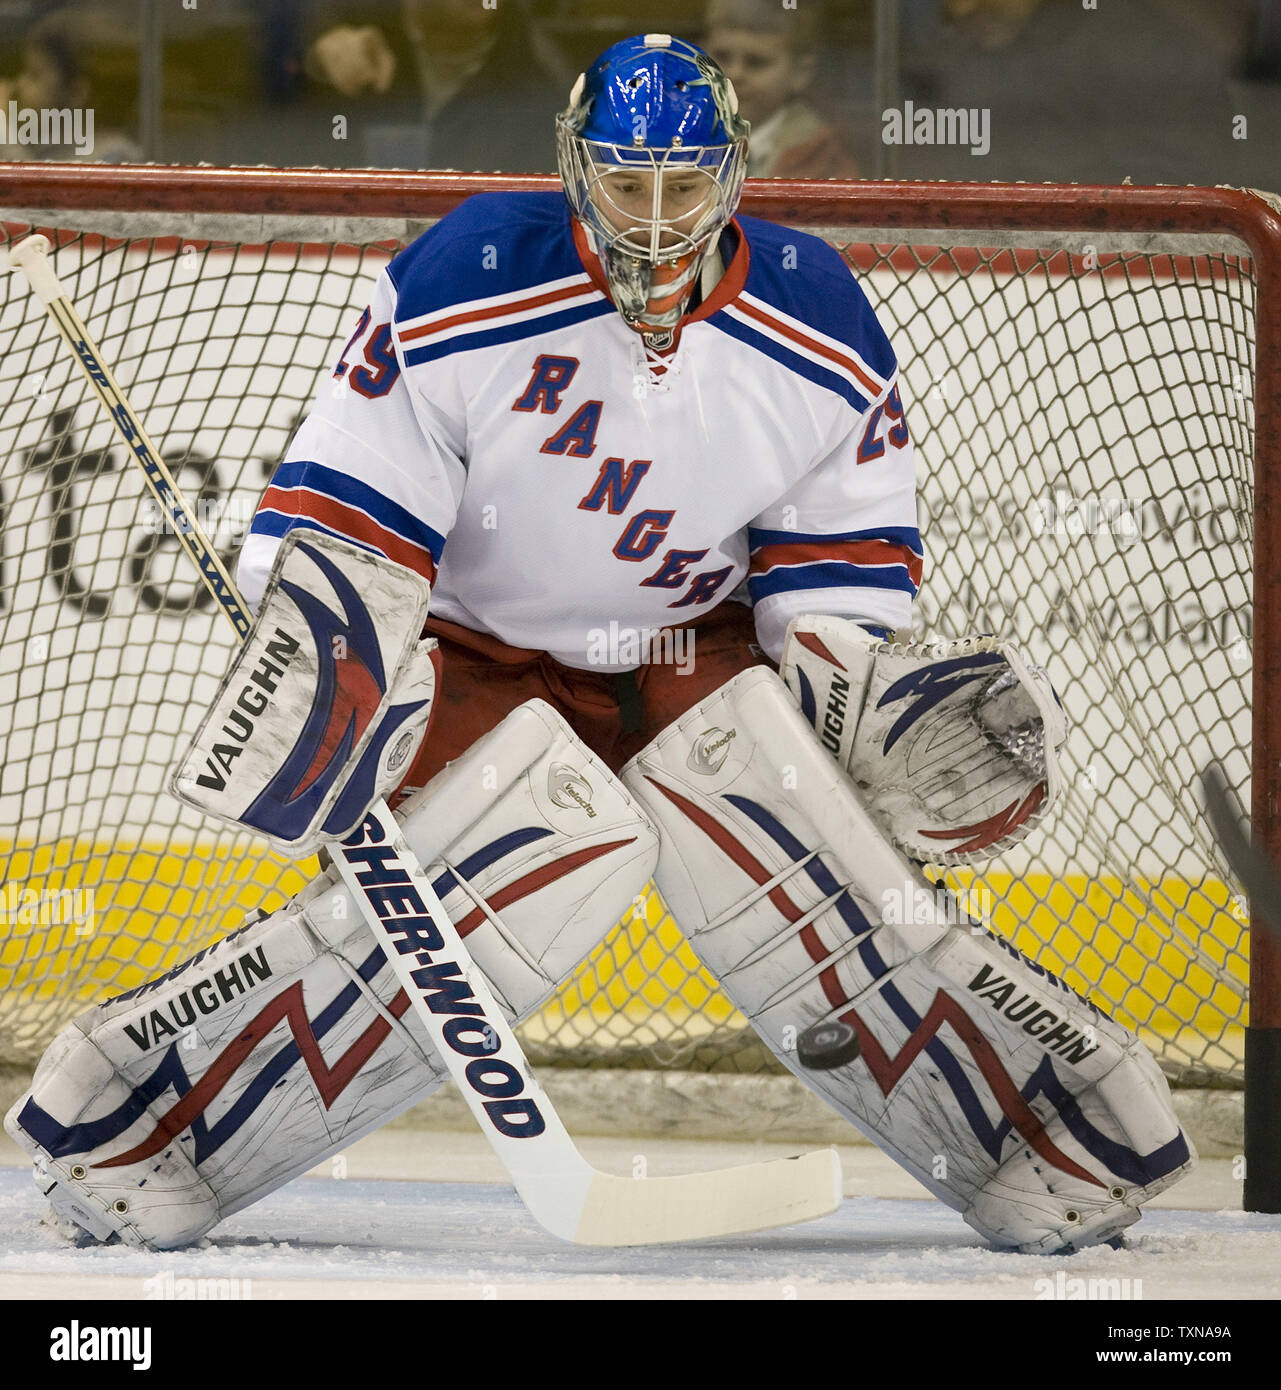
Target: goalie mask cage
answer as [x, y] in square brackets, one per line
[1092, 377]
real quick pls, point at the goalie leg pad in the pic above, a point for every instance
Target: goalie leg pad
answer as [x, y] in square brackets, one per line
[1013, 1099]
[157, 1114]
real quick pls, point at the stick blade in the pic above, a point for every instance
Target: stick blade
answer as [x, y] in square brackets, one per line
[699, 1206]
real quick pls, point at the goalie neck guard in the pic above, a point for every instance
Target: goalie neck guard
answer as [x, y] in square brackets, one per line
[652, 153]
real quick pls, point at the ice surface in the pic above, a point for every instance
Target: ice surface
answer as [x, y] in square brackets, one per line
[378, 1239]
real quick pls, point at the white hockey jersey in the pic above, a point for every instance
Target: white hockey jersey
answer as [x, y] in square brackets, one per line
[493, 423]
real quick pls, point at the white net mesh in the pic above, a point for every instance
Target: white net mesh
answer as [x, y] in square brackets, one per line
[1084, 423]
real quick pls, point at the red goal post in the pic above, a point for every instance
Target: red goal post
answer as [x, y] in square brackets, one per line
[1083, 325]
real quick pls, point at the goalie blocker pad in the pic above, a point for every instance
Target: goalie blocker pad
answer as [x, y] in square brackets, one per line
[953, 745]
[1010, 1097]
[325, 705]
[163, 1111]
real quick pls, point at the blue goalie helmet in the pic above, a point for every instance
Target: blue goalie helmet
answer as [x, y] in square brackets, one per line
[652, 153]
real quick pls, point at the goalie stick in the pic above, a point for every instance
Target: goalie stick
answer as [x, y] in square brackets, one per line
[1256, 871]
[564, 1193]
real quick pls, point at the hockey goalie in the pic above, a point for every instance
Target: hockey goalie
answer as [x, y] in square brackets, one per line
[568, 429]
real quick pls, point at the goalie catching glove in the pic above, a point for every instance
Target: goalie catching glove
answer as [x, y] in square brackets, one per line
[326, 703]
[953, 745]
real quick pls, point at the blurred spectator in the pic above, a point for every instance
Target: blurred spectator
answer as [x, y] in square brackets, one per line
[993, 23]
[75, 60]
[769, 54]
[446, 84]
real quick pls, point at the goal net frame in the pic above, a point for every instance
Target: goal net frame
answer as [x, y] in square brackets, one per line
[265, 207]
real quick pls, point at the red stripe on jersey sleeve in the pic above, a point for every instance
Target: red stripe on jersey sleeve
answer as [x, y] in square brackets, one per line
[848, 552]
[872, 388]
[494, 311]
[352, 523]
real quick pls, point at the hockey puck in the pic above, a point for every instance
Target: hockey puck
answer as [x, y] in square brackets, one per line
[827, 1045]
